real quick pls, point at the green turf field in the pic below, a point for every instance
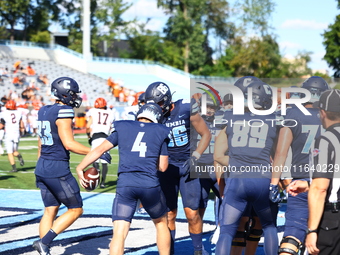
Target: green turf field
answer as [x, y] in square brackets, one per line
[25, 178]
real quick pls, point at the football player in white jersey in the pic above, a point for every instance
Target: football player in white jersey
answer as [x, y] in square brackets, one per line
[24, 112]
[33, 118]
[99, 126]
[11, 120]
[2, 130]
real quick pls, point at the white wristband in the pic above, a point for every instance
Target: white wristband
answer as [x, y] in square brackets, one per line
[196, 154]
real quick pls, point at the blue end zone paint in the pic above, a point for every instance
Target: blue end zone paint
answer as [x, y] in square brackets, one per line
[25, 208]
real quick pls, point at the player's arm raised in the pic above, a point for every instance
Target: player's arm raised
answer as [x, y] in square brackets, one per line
[199, 124]
[66, 136]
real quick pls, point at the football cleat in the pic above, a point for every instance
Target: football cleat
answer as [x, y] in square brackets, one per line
[21, 160]
[43, 249]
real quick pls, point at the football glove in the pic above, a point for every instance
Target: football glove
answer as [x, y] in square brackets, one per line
[189, 165]
[106, 156]
[274, 193]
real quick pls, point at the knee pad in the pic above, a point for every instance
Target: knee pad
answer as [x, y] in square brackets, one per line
[241, 235]
[254, 235]
[292, 241]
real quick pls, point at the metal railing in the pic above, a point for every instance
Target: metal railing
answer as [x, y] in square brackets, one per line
[113, 60]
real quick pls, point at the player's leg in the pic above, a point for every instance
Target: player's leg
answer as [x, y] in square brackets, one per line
[104, 173]
[120, 232]
[95, 143]
[233, 205]
[154, 203]
[123, 208]
[217, 204]
[16, 153]
[239, 241]
[169, 181]
[10, 149]
[68, 192]
[191, 196]
[296, 224]
[2, 133]
[163, 235]
[253, 236]
[263, 209]
[47, 220]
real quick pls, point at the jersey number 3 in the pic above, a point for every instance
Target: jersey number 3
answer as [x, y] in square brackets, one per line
[44, 131]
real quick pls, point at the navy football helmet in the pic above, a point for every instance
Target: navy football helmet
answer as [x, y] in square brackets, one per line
[152, 112]
[141, 100]
[65, 89]
[159, 93]
[316, 85]
[243, 82]
[262, 95]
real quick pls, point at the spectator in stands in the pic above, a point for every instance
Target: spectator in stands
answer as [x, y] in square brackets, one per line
[110, 84]
[30, 70]
[16, 81]
[17, 66]
[116, 91]
[43, 80]
[121, 97]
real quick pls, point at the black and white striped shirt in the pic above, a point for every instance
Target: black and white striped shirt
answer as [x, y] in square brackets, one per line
[325, 160]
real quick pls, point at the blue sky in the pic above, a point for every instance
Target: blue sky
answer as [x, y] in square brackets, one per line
[298, 24]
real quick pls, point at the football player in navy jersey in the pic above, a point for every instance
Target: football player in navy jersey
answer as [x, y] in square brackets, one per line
[249, 139]
[178, 116]
[142, 151]
[53, 175]
[299, 134]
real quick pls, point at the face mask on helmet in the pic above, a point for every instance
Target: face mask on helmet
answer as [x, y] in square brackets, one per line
[316, 85]
[65, 89]
[159, 93]
[261, 95]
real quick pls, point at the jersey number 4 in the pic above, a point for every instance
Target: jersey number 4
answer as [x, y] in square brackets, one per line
[139, 146]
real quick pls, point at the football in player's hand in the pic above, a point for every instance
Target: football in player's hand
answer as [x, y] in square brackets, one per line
[92, 175]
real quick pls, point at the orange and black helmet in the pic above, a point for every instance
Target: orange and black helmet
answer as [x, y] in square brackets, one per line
[11, 105]
[100, 103]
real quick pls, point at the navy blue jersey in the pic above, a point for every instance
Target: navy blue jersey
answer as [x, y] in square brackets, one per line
[140, 145]
[304, 129]
[207, 156]
[250, 140]
[51, 146]
[179, 123]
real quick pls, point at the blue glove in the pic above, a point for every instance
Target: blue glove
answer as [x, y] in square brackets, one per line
[106, 156]
[189, 165]
[274, 193]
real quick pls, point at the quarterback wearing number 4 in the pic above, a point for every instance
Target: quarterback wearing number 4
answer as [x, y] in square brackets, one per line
[142, 151]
